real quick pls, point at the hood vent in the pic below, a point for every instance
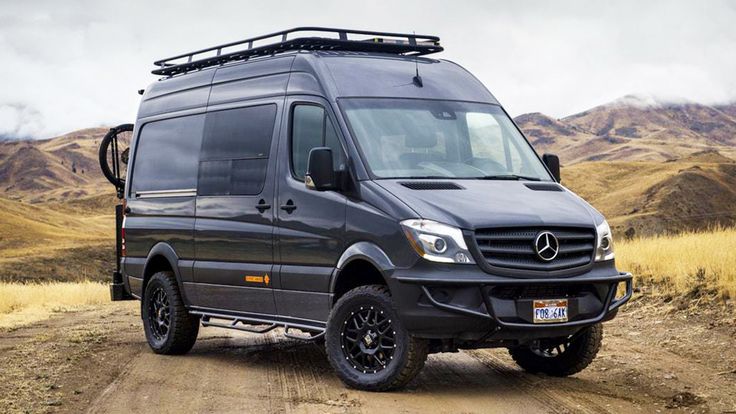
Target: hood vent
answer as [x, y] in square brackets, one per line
[543, 186]
[431, 185]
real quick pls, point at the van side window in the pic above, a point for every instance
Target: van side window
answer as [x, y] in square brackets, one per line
[235, 151]
[167, 154]
[310, 128]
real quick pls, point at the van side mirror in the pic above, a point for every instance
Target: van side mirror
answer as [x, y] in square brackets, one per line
[320, 174]
[553, 164]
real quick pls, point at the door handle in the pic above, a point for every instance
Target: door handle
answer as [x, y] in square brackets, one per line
[262, 206]
[289, 206]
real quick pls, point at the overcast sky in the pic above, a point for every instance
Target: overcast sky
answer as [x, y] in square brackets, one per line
[72, 64]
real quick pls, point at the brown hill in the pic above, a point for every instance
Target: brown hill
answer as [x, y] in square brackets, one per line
[633, 128]
[53, 169]
[554, 136]
[728, 109]
[644, 198]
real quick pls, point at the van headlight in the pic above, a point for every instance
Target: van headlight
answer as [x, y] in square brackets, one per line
[604, 243]
[437, 242]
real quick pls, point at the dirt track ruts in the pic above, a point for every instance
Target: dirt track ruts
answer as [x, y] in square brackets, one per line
[112, 371]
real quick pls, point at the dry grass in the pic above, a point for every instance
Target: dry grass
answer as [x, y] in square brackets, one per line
[660, 197]
[29, 230]
[42, 242]
[684, 264]
[26, 303]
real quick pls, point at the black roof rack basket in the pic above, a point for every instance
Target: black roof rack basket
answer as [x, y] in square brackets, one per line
[342, 39]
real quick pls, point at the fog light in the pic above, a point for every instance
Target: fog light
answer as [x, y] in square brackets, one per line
[605, 243]
[462, 258]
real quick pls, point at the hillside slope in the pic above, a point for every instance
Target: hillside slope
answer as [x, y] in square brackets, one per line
[55, 242]
[59, 169]
[634, 128]
[644, 198]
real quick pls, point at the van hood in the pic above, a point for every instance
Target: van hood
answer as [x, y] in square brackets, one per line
[484, 203]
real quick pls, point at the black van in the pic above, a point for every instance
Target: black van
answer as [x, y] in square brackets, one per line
[343, 186]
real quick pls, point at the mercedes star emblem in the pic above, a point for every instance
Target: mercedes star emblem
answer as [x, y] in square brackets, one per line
[546, 246]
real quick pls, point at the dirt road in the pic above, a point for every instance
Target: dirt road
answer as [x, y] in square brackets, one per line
[652, 361]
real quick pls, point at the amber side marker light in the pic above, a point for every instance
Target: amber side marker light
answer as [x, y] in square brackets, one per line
[257, 279]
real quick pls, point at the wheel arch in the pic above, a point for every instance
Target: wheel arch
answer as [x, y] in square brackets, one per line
[162, 257]
[362, 263]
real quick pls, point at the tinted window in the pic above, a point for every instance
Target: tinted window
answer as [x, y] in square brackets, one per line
[235, 151]
[310, 128]
[239, 133]
[167, 154]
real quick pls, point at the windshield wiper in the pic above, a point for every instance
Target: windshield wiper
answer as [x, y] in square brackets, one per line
[509, 177]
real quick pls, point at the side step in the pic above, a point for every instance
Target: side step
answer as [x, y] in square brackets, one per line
[259, 326]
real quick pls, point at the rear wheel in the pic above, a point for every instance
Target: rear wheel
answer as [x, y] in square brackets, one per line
[169, 327]
[560, 357]
[367, 344]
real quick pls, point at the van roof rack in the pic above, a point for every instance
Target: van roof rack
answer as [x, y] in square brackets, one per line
[393, 43]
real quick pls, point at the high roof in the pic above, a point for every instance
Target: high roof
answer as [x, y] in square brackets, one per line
[331, 74]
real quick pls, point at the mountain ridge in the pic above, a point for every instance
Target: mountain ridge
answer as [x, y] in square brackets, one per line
[626, 130]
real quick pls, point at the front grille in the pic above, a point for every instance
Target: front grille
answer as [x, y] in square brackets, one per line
[513, 248]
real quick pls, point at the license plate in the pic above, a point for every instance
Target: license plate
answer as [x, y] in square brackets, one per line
[550, 311]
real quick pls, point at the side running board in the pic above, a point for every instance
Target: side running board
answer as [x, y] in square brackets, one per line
[259, 326]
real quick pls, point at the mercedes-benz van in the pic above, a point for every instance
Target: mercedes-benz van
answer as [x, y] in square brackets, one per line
[353, 191]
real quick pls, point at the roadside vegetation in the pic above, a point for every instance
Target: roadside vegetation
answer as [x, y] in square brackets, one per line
[22, 303]
[692, 264]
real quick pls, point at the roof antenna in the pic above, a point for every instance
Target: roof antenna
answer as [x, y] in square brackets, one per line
[417, 79]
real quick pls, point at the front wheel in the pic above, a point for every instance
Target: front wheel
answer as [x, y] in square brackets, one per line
[367, 344]
[560, 357]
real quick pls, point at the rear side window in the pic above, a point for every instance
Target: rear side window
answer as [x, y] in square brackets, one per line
[310, 128]
[167, 154]
[235, 151]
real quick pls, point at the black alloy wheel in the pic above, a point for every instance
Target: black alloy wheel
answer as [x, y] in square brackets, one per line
[368, 339]
[367, 344]
[159, 315]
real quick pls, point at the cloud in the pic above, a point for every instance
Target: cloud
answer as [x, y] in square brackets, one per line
[78, 63]
[20, 121]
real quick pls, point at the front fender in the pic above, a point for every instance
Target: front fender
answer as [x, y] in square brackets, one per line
[367, 251]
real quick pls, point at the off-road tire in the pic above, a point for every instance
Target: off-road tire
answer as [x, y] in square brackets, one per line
[576, 357]
[409, 354]
[183, 327]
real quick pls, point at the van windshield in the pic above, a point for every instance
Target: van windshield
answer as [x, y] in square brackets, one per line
[415, 138]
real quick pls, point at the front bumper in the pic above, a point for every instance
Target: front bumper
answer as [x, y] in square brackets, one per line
[452, 302]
